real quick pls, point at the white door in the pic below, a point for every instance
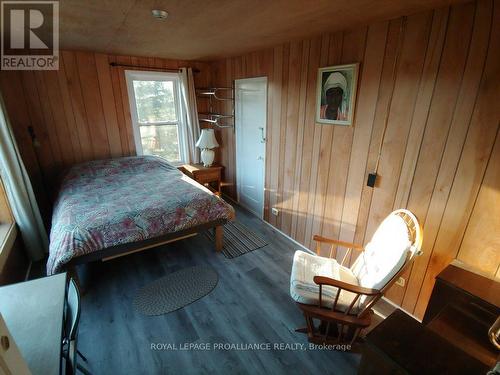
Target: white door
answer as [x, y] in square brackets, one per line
[250, 116]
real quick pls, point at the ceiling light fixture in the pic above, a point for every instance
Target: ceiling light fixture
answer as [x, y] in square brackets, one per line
[160, 14]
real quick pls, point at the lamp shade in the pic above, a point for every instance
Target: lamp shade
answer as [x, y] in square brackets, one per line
[207, 139]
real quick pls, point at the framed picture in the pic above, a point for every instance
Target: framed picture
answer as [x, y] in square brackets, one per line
[336, 94]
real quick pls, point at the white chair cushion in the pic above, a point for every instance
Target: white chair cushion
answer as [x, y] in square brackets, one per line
[384, 255]
[304, 290]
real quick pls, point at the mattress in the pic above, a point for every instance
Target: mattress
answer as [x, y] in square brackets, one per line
[120, 201]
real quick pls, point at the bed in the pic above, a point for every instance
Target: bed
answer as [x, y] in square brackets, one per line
[108, 208]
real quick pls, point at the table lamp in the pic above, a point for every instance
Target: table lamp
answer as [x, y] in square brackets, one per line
[206, 143]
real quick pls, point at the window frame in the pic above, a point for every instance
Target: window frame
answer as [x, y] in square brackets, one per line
[140, 75]
[8, 228]
[6, 216]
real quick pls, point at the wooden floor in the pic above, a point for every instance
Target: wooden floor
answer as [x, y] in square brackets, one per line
[250, 305]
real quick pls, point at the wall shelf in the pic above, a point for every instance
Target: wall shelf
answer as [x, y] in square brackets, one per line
[215, 95]
[219, 93]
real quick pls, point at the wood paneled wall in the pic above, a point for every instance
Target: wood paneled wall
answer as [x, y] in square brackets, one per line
[80, 112]
[440, 155]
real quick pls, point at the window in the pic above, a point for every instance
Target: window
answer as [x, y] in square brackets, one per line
[157, 115]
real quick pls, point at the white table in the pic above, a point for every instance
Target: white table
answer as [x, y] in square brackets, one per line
[33, 312]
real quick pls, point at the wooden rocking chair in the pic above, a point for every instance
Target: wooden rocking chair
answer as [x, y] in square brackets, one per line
[342, 298]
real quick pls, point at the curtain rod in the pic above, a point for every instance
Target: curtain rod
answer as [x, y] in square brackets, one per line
[114, 64]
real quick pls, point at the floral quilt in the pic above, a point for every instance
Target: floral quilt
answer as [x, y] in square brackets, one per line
[113, 202]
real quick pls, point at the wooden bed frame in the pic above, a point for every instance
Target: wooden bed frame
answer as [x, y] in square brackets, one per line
[129, 248]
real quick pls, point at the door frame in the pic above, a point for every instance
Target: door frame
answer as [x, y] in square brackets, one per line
[236, 125]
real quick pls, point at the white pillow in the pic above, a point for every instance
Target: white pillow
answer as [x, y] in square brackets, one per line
[384, 255]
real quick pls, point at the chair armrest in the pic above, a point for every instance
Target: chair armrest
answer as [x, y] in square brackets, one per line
[349, 245]
[323, 280]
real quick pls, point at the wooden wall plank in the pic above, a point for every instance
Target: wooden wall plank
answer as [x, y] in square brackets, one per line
[331, 54]
[93, 104]
[310, 141]
[108, 104]
[68, 59]
[226, 73]
[273, 145]
[129, 133]
[294, 63]
[237, 70]
[49, 121]
[59, 117]
[234, 70]
[18, 116]
[304, 74]
[69, 114]
[353, 48]
[368, 94]
[43, 148]
[483, 229]
[317, 150]
[283, 126]
[118, 106]
[384, 93]
[217, 69]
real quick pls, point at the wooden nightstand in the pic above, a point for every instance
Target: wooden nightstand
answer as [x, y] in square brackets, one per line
[204, 175]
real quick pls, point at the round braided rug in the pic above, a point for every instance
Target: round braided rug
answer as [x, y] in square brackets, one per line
[176, 290]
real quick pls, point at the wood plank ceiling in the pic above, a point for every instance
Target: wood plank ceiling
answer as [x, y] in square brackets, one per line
[204, 29]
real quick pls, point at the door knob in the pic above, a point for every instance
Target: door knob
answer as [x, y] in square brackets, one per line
[260, 158]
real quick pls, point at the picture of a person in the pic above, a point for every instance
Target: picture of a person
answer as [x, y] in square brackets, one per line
[334, 94]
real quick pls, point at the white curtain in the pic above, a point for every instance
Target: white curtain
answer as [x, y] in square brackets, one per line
[191, 130]
[20, 192]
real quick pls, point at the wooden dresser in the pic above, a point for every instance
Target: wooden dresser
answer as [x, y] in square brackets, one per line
[400, 345]
[463, 306]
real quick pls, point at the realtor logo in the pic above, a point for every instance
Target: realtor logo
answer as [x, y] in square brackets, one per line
[30, 35]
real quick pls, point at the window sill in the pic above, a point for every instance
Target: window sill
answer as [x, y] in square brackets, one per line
[8, 234]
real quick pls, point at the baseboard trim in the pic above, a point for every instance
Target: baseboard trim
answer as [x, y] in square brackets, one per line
[290, 238]
[399, 307]
[228, 198]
